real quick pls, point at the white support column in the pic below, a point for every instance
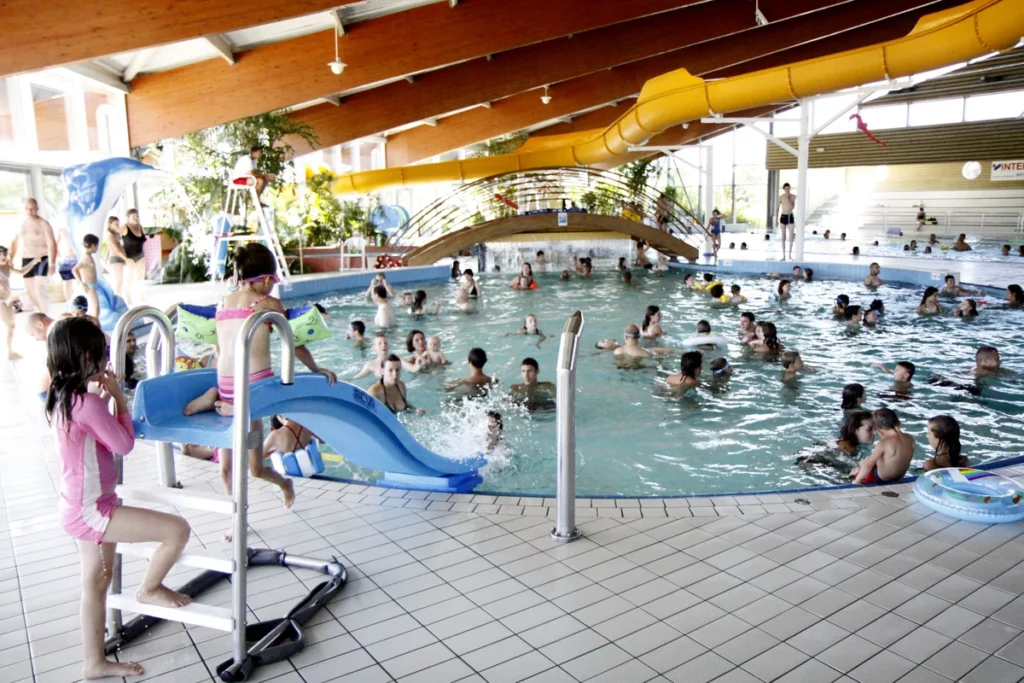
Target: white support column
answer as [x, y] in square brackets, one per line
[709, 193]
[802, 160]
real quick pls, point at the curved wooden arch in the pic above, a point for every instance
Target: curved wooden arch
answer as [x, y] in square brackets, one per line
[454, 242]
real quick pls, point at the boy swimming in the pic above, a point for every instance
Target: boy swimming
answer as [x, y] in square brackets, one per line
[792, 363]
[891, 458]
[902, 374]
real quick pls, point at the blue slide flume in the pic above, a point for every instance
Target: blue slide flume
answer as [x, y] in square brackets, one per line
[357, 426]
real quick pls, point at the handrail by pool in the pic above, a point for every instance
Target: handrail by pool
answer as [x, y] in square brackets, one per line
[565, 529]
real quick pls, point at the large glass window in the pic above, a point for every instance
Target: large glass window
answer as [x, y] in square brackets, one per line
[50, 107]
[52, 203]
[889, 116]
[1003, 105]
[937, 112]
[7, 107]
[15, 187]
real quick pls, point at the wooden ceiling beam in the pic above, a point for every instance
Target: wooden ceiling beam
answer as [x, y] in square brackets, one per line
[38, 35]
[810, 35]
[533, 66]
[289, 72]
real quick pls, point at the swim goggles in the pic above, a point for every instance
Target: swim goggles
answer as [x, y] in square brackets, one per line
[632, 335]
[272, 276]
[722, 369]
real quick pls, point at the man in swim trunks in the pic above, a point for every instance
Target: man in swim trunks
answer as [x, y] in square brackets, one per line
[787, 221]
[35, 241]
[891, 458]
[66, 260]
[872, 279]
[632, 349]
[531, 388]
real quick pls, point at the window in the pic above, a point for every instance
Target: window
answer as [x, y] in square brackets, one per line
[8, 104]
[15, 187]
[52, 202]
[1003, 105]
[51, 118]
[890, 116]
[937, 112]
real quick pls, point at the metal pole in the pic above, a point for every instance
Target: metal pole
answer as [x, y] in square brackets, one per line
[240, 448]
[165, 461]
[709, 199]
[803, 159]
[565, 529]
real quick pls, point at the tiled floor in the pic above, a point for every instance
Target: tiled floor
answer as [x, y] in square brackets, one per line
[843, 586]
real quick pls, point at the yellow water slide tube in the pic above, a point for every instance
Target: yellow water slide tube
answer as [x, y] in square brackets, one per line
[938, 40]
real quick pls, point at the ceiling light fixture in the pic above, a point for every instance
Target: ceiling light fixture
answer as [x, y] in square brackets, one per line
[545, 98]
[337, 66]
[759, 16]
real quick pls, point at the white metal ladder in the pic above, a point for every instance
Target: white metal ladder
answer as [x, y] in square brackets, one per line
[231, 619]
[235, 213]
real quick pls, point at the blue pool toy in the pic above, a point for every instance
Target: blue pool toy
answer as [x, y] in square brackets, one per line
[971, 495]
[303, 462]
[352, 422]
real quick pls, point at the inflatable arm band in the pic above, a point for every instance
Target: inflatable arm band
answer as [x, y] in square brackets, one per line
[198, 323]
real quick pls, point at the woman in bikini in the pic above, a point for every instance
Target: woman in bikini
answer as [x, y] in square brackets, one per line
[286, 436]
[390, 390]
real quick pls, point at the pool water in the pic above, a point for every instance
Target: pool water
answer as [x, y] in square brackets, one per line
[635, 437]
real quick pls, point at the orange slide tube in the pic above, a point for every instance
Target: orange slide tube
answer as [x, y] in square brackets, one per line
[938, 40]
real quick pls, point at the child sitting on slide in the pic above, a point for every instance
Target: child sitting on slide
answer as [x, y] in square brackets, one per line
[256, 272]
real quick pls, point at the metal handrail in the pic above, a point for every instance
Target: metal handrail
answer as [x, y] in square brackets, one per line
[565, 529]
[240, 447]
[165, 456]
[464, 206]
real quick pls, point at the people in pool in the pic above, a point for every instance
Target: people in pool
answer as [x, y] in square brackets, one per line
[255, 270]
[1004, 250]
[735, 296]
[456, 270]
[950, 287]
[927, 250]
[720, 369]
[379, 280]
[746, 327]
[415, 344]
[87, 274]
[1015, 295]
[929, 302]
[857, 430]
[987, 362]
[541, 262]
[434, 357]
[792, 365]
[463, 301]
[766, 338]
[961, 243]
[716, 292]
[902, 375]
[530, 327]
[651, 325]
[689, 371]
[419, 304]
[477, 379]
[87, 437]
[853, 397]
[286, 436]
[495, 430]
[968, 309]
[944, 437]
[390, 389]
[7, 312]
[385, 316]
[470, 286]
[587, 267]
[891, 458]
[690, 281]
[622, 264]
[878, 306]
[872, 279]
[783, 292]
[406, 299]
[631, 345]
[839, 307]
[627, 279]
[357, 333]
[564, 277]
[641, 259]
[856, 250]
[743, 246]
[808, 274]
[375, 366]
[853, 315]
[524, 280]
[870, 317]
[529, 369]
[932, 239]
[1020, 250]
[798, 274]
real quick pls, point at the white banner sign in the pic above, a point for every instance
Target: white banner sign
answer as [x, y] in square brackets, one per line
[1008, 170]
[563, 219]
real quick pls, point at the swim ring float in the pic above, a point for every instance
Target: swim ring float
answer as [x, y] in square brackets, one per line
[706, 340]
[533, 285]
[971, 495]
[708, 286]
[303, 462]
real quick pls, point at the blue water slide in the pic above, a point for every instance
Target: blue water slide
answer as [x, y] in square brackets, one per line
[353, 423]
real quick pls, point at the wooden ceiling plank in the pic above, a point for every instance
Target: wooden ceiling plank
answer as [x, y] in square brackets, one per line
[289, 72]
[38, 35]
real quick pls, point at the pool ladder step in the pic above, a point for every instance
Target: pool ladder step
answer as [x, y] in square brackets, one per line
[197, 558]
[195, 614]
[209, 502]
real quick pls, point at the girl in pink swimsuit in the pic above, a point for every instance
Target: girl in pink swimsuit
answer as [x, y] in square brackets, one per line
[255, 270]
[87, 435]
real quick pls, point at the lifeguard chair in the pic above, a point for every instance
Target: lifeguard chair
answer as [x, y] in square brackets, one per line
[236, 212]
